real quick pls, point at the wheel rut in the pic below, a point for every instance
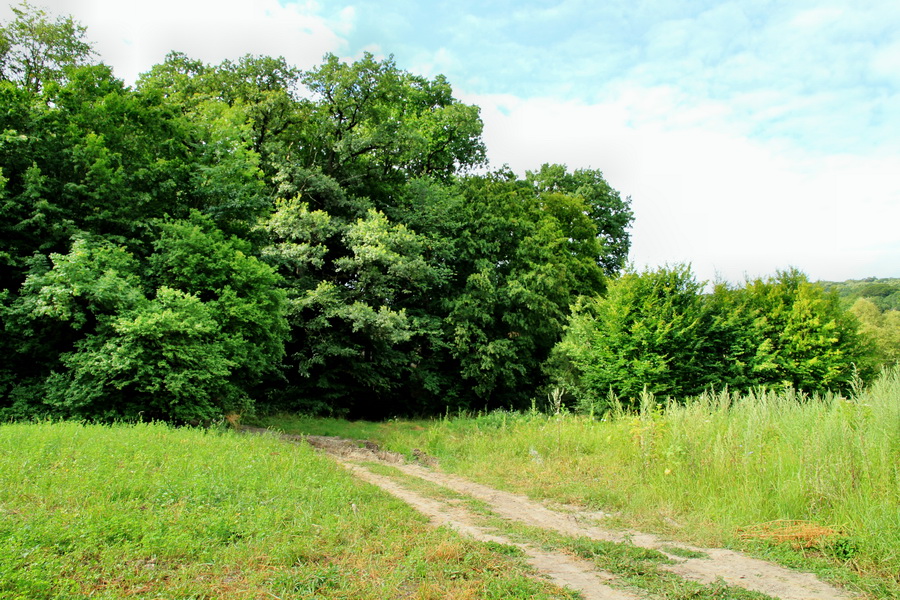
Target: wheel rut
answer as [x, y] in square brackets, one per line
[716, 564]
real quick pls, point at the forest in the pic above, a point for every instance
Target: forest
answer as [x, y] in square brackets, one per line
[253, 237]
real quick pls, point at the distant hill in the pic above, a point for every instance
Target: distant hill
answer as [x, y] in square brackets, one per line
[885, 293]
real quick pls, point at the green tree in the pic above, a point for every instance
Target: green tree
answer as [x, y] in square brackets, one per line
[184, 335]
[611, 214]
[106, 160]
[881, 328]
[351, 329]
[802, 338]
[522, 259]
[35, 51]
[371, 127]
[260, 90]
[133, 221]
[649, 332]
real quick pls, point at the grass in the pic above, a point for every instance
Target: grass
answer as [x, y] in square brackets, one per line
[148, 511]
[709, 470]
[637, 569]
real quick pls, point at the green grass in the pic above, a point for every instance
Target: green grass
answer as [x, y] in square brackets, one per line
[636, 568]
[715, 467]
[148, 511]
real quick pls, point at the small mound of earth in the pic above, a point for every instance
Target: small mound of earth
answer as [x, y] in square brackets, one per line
[369, 451]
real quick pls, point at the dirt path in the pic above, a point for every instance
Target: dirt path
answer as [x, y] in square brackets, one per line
[562, 569]
[732, 567]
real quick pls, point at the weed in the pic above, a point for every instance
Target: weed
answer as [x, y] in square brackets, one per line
[718, 465]
[149, 511]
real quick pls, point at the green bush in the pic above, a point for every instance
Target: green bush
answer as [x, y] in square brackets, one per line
[183, 337]
[656, 332]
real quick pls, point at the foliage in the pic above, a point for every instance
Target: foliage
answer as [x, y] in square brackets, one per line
[656, 332]
[348, 310]
[884, 293]
[322, 234]
[96, 157]
[801, 337]
[522, 259]
[373, 125]
[35, 51]
[882, 328]
[650, 333]
[184, 336]
[611, 215]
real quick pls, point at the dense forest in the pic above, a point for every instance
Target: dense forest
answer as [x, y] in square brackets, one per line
[252, 236]
[883, 293]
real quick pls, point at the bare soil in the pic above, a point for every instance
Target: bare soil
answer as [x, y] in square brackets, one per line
[732, 567]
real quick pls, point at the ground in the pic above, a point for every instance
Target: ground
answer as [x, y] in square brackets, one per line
[554, 539]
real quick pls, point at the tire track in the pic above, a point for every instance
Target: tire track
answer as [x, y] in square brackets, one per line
[734, 568]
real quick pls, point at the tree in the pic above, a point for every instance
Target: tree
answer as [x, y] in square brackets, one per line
[657, 331]
[649, 332]
[522, 259]
[882, 329]
[802, 338]
[184, 335]
[351, 329]
[372, 127]
[107, 160]
[260, 90]
[35, 51]
[611, 215]
[136, 224]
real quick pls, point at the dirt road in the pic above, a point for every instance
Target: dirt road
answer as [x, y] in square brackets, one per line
[708, 565]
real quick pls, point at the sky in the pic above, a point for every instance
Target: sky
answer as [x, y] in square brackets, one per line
[751, 135]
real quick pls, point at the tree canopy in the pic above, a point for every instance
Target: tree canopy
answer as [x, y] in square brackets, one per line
[658, 332]
[253, 236]
[224, 236]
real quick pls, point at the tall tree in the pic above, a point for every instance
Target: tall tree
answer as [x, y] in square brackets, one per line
[611, 215]
[351, 329]
[649, 332]
[802, 337]
[35, 51]
[373, 126]
[522, 259]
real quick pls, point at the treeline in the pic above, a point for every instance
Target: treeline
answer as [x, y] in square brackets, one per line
[876, 303]
[251, 236]
[659, 332]
[883, 293]
[247, 234]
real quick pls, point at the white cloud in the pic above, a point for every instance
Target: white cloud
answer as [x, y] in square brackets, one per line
[750, 135]
[886, 62]
[133, 36]
[721, 201]
[816, 18]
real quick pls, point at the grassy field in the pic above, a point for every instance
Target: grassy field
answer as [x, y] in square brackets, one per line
[724, 470]
[148, 511]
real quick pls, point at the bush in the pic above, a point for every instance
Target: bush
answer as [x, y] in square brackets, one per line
[183, 337]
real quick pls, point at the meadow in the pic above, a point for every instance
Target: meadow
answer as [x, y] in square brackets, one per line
[153, 511]
[150, 511]
[812, 482]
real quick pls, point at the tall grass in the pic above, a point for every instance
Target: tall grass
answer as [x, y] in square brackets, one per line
[148, 511]
[715, 465]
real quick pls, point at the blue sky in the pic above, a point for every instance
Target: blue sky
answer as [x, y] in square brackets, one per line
[751, 135]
